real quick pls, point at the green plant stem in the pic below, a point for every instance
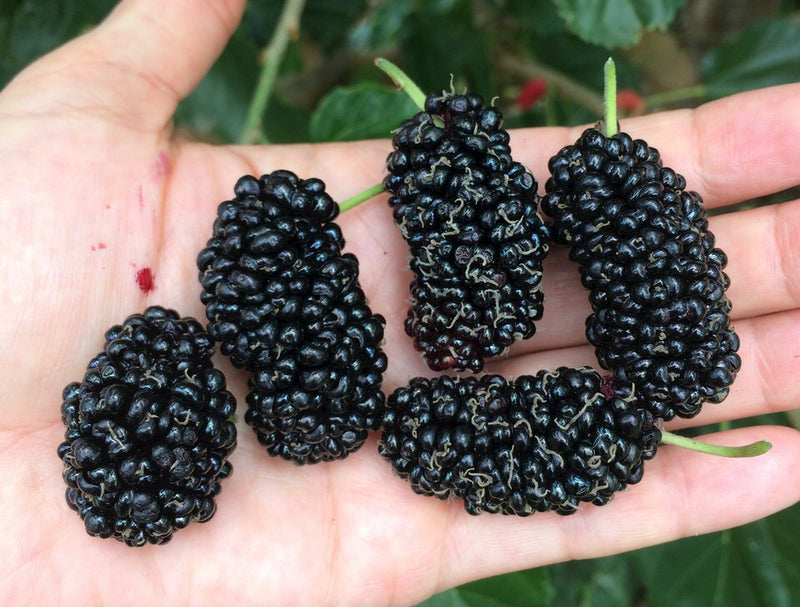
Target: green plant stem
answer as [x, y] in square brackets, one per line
[610, 97]
[563, 84]
[356, 200]
[751, 450]
[691, 92]
[272, 55]
[401, 79]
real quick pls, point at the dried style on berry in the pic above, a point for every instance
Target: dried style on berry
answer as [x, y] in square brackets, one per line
[537, 443]
[148, 431]
[476, 241]
[286, 305]
[656, 280]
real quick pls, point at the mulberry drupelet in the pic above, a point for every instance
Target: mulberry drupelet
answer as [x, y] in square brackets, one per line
[476, 241]
[537, 443]
[148, 431]
[656, 280]
[287, 306]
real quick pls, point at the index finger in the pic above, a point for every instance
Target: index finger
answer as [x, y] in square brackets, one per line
[729, 150]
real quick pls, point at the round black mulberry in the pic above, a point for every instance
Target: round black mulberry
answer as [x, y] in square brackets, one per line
[534, 444]
[148, 431]
[287, 306]
[656, 280]
[476, 241]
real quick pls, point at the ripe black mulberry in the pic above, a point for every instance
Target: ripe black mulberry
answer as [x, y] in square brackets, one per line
[537, 443]
[656, 280]
[148, 431]
[476, 241]
[287, 306]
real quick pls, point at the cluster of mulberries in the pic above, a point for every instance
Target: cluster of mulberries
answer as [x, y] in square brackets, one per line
[286, 305]
[537, 443]
[656, 280]
[476, 241]
[148, 431]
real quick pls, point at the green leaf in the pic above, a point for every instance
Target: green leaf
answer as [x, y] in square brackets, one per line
[616, 23]
[443, 39]
[216, 109]
[536, 17]
[764, 54]
[286, 122]
[594, 582]
[325, 22]
[531, 588]
[364, 111]
[753, 565]
[382, 27]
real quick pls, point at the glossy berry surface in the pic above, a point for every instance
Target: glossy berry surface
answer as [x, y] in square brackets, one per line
[538, 443]
[148, 431]
[476, 241]
[655, 277]
[286, 304]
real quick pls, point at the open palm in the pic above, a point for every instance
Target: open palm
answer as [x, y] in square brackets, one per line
[96, 191]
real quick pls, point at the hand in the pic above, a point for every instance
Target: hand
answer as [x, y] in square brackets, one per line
[96, 188]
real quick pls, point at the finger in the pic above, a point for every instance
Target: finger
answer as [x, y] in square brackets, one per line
[729, 150]
[138, 64]
[682, 494]
[761, 245]
[768, 382]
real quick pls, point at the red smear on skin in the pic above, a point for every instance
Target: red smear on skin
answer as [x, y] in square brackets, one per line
[630, 101]
[146, 280]
[530, 93]
[141, 198]
[163, 164]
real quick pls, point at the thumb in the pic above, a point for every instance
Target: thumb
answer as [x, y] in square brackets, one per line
[133, 68]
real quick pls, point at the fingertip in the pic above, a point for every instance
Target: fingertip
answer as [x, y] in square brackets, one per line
[176, 41]
[141, 61]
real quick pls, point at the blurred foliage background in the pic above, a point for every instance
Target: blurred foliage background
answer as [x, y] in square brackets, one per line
[309, 76]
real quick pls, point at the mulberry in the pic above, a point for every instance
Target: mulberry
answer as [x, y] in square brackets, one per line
[476, 241]
[287, 306]
[656, 280]
[537, 443]
[148, 431]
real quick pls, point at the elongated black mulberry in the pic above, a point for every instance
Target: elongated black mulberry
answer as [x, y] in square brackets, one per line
[476, 241]
[537, 443]
[148, 431]
[656, 279]
[287, 306]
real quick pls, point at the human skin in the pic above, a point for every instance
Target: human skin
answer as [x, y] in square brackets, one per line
[96, 187]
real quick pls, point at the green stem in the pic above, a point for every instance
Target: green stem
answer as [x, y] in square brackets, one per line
[691, 92]
[751, 450]
[401, 79]
[361, 197]
[610, 97]
[272, 55]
